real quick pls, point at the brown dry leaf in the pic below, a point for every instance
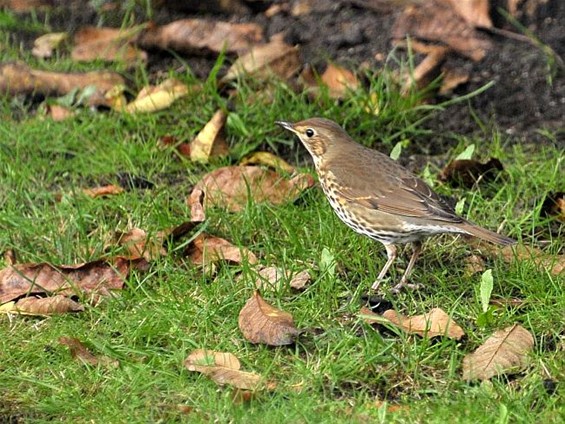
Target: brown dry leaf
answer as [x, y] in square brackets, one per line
[475, 12]
[10, 257]
[554, 264]
[474, 264]
[554, 206]
[58, 112]
[427, 70]
[211, 140]
[262, 323]
[42, 306]
[108, 44]
[232, 187]
[202, 359]
[504, 352]
[107, 190]
[200, 36]
[44, 45]
[468, 172]
[152, 99]
[264, 61]
[223, 368]
[340, 81]
[434, 323]
[182, 148]
[437, 21]
[18, 78]
[272, 278]
[80, 351]
[205, 250]
[267, 159]
[100, 277]
[26, 5]
[140, 245]
[451, 79]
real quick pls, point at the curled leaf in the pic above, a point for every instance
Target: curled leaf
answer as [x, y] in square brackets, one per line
[206, 250]
[107, 190]
[44, 45]
[467, 172]
[43, 306]
[152, 99]
[262, 323]
[80, 351]
[210, 141]
[268, 159]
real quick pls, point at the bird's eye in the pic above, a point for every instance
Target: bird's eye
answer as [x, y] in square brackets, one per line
[309, 132]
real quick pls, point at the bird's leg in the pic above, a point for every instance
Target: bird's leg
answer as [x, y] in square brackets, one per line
[417, 248]
[391, 255]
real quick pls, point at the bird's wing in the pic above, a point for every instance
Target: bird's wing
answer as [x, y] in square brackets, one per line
[397, 192]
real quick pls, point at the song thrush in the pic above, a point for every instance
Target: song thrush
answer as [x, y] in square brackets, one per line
[377, 197]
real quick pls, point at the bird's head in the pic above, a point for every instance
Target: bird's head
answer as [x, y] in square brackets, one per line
[318, 135]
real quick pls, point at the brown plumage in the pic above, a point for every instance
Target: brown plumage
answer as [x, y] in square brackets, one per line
[377, 197]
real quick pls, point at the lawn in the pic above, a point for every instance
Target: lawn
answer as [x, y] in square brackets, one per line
[340, 368]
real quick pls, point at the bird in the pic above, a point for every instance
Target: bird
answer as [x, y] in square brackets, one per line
[379, 198]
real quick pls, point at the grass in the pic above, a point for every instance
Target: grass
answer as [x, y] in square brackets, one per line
[341, 366]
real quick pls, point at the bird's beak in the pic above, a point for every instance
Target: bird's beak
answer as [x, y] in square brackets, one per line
[286, 125]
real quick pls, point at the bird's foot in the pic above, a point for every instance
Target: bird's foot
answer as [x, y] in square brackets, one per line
[377, 283]
[405, 285]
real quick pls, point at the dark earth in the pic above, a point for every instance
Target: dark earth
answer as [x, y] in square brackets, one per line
[526, 102]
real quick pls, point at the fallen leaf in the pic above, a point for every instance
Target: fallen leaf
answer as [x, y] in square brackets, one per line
[474, 264]
[437, 21]
[451, 78]
[340, 81]
[554, 264]
[210, 141]
[152, 99]
[44, 45]
[201, 360]
[223, 368]
[264, 61]
[140, 245]
[468, 172]
[202, 36]
[262, 323]
[10, 257]
[182, 148]
[427, 70]
[58, 112]
[432, 324]
[18, 78]
[27, 5]
[272, 278]
[233, 187]
[504, 352]
[107, 190]
[99, 277]
[206, 250]
[42, 306]
[475, 12]
[108, 44]
[267, 159]
[80, 351]
[554, 206]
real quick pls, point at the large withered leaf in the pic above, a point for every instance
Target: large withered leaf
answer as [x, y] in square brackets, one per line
[18, 78]
[223, 368]
[467, 172]
[42, 306]
[264, 61]
[267, 159]
[206, 250]
[201, 36]
[232, 187]
[437, 21]
[504, 352]
[262, 323]
[432, 324]
[99, 277]
[108, 44]
[338, 80]
[140, 245]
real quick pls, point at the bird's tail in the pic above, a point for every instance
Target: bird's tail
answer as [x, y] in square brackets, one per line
[487, 235]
